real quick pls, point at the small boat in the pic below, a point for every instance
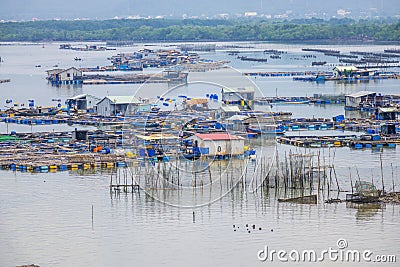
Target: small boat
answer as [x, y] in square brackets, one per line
[366, 192]
[266, 129]
[318, 63]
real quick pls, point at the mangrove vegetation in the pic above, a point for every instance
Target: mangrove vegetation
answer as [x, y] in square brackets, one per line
[201, 30]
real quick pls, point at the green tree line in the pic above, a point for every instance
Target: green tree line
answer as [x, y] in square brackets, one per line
[200, 30]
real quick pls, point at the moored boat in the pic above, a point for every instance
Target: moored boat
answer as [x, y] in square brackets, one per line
[266, 129]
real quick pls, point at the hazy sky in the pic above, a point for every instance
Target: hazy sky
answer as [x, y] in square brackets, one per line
[105, 9]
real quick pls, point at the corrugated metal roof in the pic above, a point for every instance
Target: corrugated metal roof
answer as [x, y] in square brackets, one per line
[218, 136]
[344, 68]
[237, 118]
[361, 93]
[230, 108]
[123, 99]
[157, 137]
[246, 89]
[388, 109]
[58, 71]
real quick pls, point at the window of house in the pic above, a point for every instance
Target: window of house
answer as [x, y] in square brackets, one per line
[68, 75]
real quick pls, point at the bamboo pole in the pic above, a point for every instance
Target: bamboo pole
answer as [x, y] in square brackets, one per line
[383, 184]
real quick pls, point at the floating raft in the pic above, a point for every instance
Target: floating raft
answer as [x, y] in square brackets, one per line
[336, 141]
[286, 73]
[317, 141]
[377, 144]
[59, 167]
[311, 199]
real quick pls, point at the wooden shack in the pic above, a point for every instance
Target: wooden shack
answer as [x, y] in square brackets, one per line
[118, 106]
[360, 99]
[65, 76]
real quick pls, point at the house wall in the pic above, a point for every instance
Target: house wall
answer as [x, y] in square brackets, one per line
[221, 147]
[107, 108]
[91, 101]
[353, 101]
[104, 107]
[69, 75]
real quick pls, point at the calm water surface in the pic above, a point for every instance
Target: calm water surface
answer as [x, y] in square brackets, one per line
[46, 218]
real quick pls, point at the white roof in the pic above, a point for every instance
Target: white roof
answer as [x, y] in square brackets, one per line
[58, 71]
[247, 89]
[343, 68]
[84, 95]
[230, 108]
[388, 109]
[237, 118]
[118, 99]
[361, 93]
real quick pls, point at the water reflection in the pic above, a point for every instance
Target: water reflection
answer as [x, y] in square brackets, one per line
[366, 211]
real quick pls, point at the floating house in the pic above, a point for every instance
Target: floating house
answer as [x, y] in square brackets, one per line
[175, 76]
[354, 72]
[82, 102]
[387, 113]
[388, 129]
[65, 76]
[120, 106]
[243, 97]
[340, 71]
[360, 100]
[218, 144]
[227, 111]
[157, 144]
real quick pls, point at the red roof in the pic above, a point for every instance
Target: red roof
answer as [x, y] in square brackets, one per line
[218, 136]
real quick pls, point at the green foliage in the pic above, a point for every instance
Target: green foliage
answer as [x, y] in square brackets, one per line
[201, 30]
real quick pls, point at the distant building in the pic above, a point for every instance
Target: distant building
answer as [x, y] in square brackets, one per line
[243, 97]
[340, 71]
[228, 111]
[343, 12]
[250, 14]
[83, 102]
[218, 144]
[360, 99]
[388, 113]
[120, 106]
[65, 76]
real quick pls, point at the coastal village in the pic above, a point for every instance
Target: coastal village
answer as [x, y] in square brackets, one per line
[199, 133]
[122, 131]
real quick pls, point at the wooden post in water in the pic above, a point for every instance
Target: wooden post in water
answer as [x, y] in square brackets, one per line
[391, 166]
[209, 173]
[372, 176]
[177, 168]
[92, 216]
[358, 175]
[351, 181]
[319, 170]
[277, 169]
[337, 182]
[383, 184]
[111, 180]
